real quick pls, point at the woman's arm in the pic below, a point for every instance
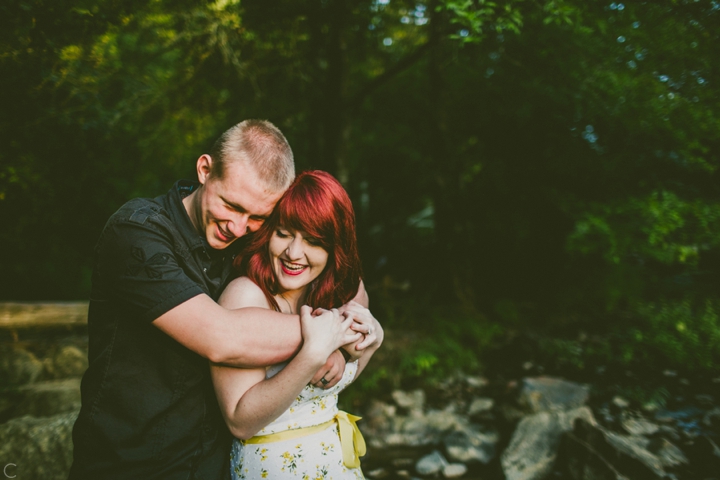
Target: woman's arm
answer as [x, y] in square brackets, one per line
[247, 399]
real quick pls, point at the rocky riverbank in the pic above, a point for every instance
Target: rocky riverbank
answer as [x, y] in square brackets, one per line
[539, 428]
[530, 428]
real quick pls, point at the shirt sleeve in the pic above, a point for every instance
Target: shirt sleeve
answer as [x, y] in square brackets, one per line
[137, 266]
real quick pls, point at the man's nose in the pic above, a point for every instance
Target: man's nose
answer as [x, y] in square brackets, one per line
[238, 226]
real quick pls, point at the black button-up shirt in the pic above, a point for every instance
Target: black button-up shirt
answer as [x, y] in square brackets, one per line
[148, 405]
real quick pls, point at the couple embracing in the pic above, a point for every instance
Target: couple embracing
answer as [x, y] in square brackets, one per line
[209, 359]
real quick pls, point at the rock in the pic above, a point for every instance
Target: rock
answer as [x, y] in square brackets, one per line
[533, 447]
[620, 402]
[704, 455]
[403, 462]
[413, 401]
[635, 425]
[476, 382]
[431, 463]
[46, 399]
[18, 366]
[443, 420]
[552, 394]
[635, 447]
[454, 470]
[480, 405]
[510, 413]
[40, 447]
[669, 432]
[469, 445]
[712, 418]
[590, 451]
[378, 473]
[68, 361]
[669, 454]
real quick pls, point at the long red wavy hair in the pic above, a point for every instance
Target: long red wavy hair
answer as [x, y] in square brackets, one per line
[316, 204]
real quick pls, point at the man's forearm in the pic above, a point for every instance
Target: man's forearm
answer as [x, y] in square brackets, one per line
[256, 337]
[243, 337]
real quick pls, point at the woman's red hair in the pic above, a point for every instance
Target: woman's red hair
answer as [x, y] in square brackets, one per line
[315, 204]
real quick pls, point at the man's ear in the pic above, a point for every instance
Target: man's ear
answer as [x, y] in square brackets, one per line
[204, 167]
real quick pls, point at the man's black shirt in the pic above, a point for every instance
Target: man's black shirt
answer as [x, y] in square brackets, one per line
[148, 405]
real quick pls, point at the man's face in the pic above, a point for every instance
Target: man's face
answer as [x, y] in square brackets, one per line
[229, 207]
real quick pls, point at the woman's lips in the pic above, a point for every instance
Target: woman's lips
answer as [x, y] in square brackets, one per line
[292, 272]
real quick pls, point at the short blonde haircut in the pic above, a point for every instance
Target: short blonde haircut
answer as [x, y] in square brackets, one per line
[260, 145]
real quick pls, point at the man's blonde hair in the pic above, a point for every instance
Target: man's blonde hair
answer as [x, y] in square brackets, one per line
[259, 144]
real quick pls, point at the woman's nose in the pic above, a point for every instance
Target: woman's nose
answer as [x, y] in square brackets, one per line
[294, 249]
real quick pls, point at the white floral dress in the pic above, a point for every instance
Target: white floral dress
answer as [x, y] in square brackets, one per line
[311, 457]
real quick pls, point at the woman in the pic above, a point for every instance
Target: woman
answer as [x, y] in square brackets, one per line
[305, 254]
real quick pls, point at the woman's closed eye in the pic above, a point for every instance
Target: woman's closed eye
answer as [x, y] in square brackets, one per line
[315, 242]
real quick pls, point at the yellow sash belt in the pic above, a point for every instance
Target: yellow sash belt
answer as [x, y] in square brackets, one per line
[351, 439]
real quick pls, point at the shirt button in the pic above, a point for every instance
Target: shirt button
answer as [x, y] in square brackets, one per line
[205, 269]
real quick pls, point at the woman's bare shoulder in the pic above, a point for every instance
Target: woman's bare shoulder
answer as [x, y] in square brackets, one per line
[243, 292]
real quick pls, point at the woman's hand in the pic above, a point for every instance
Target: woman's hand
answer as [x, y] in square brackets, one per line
[324, 331]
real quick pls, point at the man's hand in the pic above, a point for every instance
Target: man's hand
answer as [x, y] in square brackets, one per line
[332, 372]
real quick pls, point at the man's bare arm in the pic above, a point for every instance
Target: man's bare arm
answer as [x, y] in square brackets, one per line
[246, 337]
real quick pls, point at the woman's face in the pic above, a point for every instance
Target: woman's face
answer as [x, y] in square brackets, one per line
[297, 259]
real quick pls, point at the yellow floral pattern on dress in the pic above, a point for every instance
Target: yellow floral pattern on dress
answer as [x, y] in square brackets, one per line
[312, 457]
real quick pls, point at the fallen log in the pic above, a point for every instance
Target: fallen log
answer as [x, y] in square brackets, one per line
[33, 315]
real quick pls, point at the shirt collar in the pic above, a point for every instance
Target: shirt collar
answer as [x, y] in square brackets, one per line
[179, 216]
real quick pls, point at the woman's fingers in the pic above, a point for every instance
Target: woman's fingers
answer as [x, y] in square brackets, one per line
[330, 373]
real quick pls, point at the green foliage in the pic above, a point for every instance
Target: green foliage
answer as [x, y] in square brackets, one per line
[680, 334]
[533, 161]
[669, 334]
[660, 226]
[450, 342]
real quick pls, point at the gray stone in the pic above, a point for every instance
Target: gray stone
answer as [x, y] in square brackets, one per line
[591, 452]
[480, 405]
[454, 470]
[443, 420]
[510, 413]
[378, 473]
[712, 418]
[431, 463]
[635, 425]
[414, 400]
[667, 452]
[552, 394]
[18, 366]
[533, 447]
[39, 447]
[68, 361]
[636, 447]
[470, 445]
[476, 382]
[620, 402]
[46, 399]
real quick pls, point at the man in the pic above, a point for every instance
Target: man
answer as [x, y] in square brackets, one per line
[148, 407]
